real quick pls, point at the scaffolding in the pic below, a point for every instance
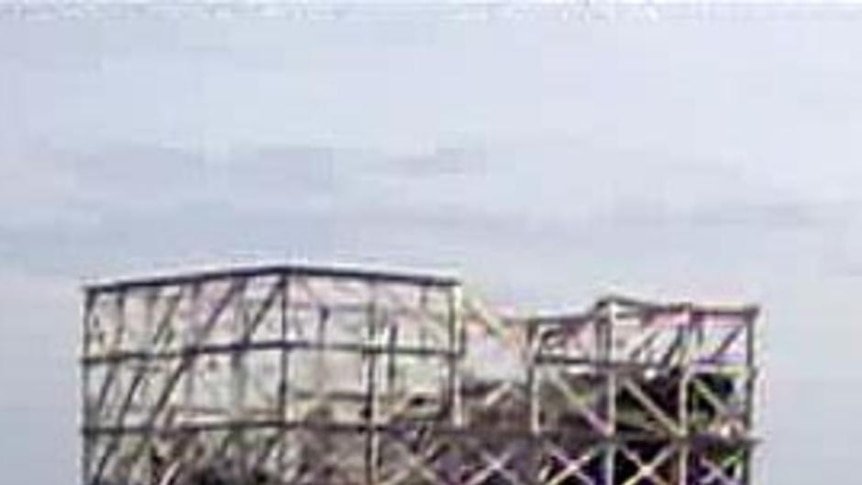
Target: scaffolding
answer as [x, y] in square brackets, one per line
[320, 376]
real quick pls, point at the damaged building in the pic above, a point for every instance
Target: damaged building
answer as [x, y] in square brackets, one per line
[326, 376]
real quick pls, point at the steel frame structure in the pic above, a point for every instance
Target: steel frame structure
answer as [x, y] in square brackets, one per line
[647, 393]
[320, 376]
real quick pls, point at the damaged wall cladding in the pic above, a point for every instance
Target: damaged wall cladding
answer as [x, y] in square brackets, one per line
[299, 375]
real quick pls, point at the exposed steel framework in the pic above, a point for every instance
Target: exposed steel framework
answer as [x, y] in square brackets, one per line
[300, 375]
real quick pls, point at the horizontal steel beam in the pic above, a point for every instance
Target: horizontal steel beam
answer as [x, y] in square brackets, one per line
[290, 345]
[272, 270]
[694, 442]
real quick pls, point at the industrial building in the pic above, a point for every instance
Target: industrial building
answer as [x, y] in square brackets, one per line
[325, 376]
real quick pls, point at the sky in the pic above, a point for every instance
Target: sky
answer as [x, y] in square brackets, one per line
[547, 156]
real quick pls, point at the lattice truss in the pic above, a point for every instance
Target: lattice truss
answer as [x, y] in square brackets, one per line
[636, 392]
[293, 375]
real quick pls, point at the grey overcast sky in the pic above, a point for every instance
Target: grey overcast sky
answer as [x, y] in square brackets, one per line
[547, 158]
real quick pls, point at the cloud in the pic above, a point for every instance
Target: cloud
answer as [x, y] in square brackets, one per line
[440, 161]
[74, 208]
[44, 187]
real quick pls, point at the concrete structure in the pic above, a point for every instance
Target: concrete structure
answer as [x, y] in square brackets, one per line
[303, 375]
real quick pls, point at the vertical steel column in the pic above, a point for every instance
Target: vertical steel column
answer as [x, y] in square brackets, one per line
[605, 327]
[751, 376]
[686, 332]
[372, 444]
[457, 350]
[189, 338]
[320, 373]
[533, 403]
[241, 326]
[87, 420]
[283, 372]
